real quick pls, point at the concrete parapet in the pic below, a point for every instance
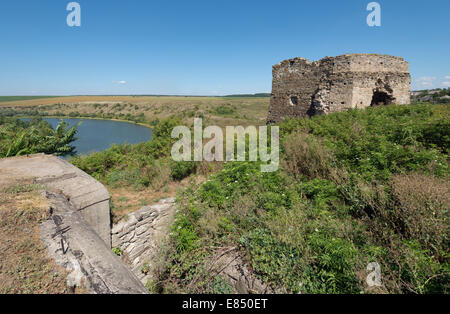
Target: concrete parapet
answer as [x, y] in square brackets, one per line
[73, 244]
[78, 233]
[85, 194]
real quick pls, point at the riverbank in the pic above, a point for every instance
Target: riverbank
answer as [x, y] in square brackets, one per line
[220, 111]
[84, 118]
[141, 174]
[96, 135]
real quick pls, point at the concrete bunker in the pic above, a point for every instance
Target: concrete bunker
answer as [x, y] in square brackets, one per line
[78, 233]
[85, 194]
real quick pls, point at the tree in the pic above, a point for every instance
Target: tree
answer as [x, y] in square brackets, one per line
[18, 138]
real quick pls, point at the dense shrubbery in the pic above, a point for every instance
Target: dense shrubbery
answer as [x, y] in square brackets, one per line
[183, 169]
[140, 165]
[225, 110]
[375, 143]
[31, 112]
[18, 137]
[355, 187]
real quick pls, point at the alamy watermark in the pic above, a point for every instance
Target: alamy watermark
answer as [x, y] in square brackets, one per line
[236, 148]
[74, 17]
[374, 18]
[374, 277]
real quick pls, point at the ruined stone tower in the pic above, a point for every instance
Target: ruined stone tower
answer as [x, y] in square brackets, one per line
[304, 88]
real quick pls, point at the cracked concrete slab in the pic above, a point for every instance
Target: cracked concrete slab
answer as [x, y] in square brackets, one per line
[73, 244]
[84, 193]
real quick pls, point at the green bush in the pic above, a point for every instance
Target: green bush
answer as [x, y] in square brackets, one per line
[378, 142]
[275, 261]
[182, 169]
[354, 187]
[19, 138]
[141, 165]
[332, 269]
[225, 110]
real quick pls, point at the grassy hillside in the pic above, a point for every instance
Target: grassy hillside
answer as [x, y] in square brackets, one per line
[354, 188]
[435, 96]
[222, 111]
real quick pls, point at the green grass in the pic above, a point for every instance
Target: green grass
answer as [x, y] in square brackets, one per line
[354, 188]
[221, 111]
[19, 98]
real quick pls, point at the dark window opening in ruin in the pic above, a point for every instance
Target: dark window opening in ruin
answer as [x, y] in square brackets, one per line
[292, 62]
[294, 101]
[381, 98]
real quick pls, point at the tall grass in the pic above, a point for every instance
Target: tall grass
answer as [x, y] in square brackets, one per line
[354, 188]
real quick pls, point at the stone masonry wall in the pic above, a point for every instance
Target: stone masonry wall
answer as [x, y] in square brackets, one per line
[140, 235]
[304, 88]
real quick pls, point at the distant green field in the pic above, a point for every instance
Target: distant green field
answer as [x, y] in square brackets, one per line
[18, 98]
[248, 95]
[241, 96]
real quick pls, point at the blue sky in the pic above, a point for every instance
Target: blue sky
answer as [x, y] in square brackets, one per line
[196, 47]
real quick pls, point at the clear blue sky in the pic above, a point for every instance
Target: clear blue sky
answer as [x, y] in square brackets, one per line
[213, 47]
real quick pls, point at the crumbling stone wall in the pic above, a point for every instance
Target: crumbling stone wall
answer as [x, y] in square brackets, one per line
[140, 234]
[304, 88]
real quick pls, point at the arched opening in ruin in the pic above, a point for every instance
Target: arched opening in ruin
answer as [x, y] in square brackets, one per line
[381, 98]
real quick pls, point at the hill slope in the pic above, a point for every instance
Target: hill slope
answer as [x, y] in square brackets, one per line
[354, 188]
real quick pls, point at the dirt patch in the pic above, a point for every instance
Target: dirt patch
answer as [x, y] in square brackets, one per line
[24, 265]
[126, 199]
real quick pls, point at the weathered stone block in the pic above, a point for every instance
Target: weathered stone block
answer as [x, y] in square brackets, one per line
[140, 234]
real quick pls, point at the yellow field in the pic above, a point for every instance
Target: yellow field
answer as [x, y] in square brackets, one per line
[106, 99]
[215, 110]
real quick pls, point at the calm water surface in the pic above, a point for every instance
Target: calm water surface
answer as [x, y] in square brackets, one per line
[98, 135]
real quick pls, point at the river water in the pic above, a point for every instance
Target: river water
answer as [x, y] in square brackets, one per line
[98, 135]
